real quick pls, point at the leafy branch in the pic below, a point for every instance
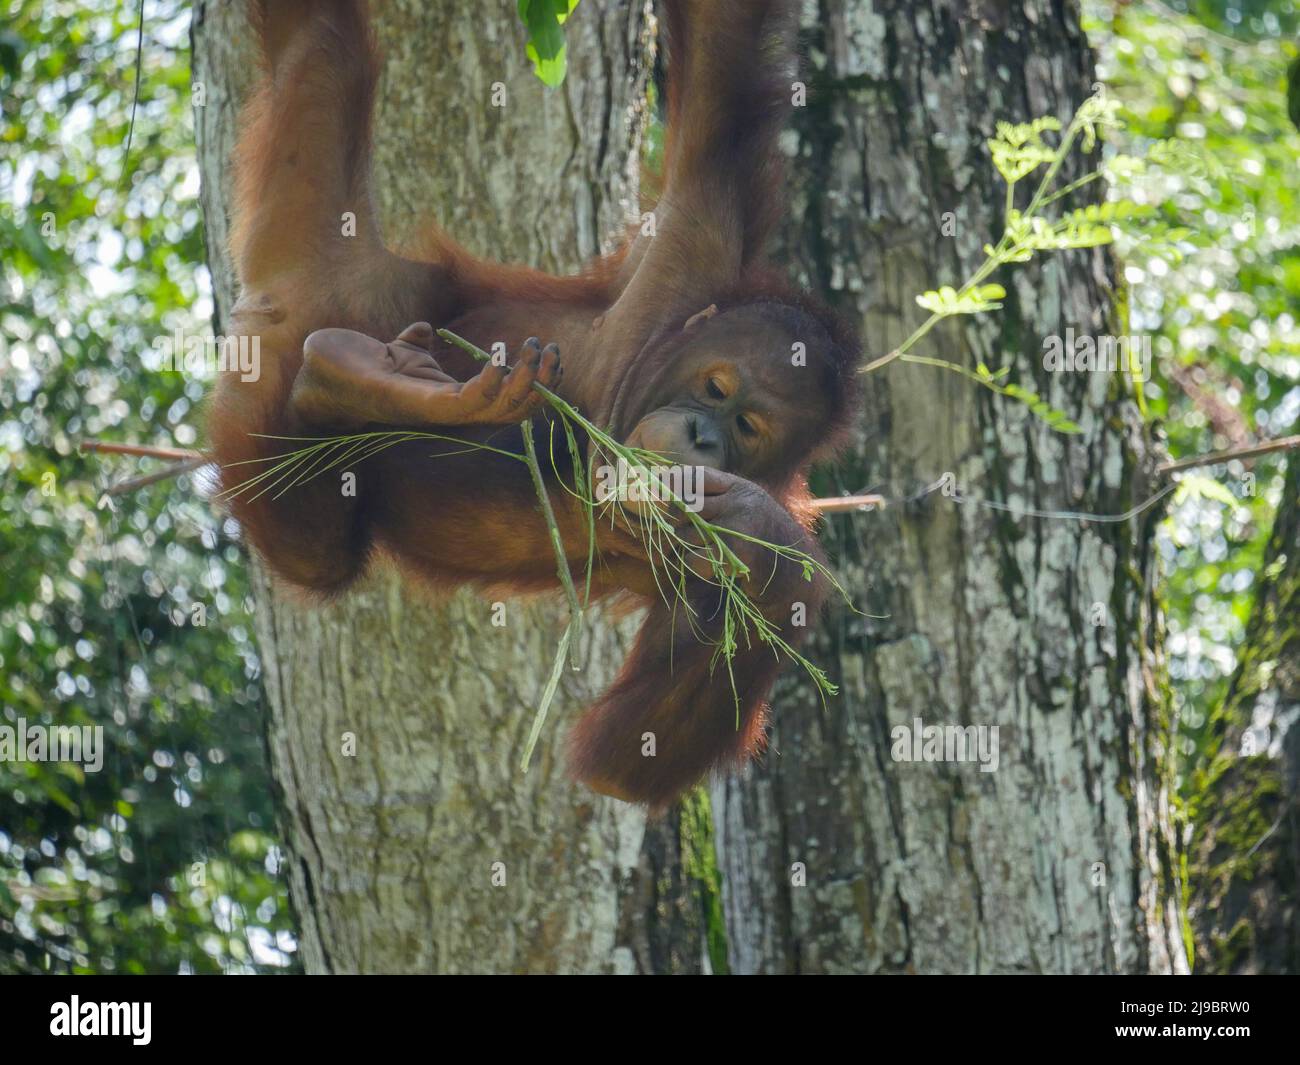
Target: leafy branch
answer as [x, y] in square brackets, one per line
[1018, 151]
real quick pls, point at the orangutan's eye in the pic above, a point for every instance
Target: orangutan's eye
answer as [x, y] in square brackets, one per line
[715, 390]
[746, 426]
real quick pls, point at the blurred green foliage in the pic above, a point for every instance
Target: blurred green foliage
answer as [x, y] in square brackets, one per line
[164, 860]
[1225, 319]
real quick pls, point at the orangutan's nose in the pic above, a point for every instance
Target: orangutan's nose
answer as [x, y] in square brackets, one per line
[705, 436]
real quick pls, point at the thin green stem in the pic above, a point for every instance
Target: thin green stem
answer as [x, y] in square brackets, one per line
[557, 539]
[990, 264]
[1000, 253]
[548, 695]
[1058, 159]
[1066, 190]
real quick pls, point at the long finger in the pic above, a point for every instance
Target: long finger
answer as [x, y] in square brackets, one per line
[519, 385]
[482, 391]
[551, 371]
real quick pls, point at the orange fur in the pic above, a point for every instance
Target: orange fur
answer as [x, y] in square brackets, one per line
[303, 159]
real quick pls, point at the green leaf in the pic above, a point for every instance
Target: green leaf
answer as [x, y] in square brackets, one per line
[1203, 487]
[544, 20]
[1018, 150]
[947, 300]
[1041, 409]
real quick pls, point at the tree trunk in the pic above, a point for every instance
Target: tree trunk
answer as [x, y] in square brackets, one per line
[1061, 860]
[426, 849]
[1244, 904]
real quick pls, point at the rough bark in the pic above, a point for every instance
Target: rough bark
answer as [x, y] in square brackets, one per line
[1245, 856]
[393, 849]
[1061, 861]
